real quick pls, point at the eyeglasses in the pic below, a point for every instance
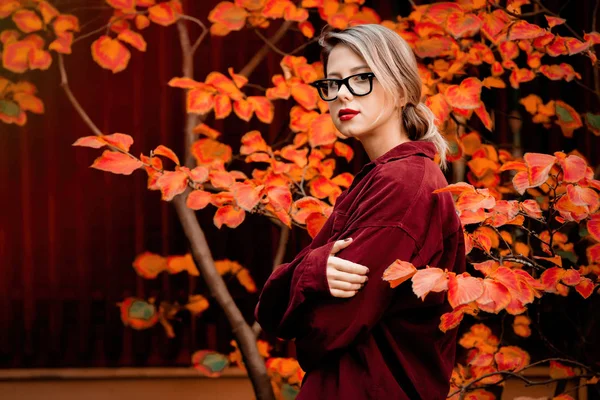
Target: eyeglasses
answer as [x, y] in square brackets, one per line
[358, 84]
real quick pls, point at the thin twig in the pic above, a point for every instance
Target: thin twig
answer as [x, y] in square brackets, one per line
[271, 45]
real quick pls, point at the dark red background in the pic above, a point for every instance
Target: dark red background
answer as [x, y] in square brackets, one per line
[69, 233]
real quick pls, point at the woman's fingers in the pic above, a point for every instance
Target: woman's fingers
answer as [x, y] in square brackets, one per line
[348, 266]
[342, 285]
[340, 244]
[342, 293]
[335, 275]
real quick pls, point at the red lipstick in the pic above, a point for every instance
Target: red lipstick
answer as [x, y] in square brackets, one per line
[346, 114]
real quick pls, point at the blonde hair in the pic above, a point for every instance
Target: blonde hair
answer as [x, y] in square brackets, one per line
[394, 64]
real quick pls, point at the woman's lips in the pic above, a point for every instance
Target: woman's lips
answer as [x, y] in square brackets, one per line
[347, 114]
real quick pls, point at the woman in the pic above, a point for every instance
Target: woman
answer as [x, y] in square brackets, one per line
[357, 338]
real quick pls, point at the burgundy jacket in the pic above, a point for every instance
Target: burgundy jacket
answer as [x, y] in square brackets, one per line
[382, 343]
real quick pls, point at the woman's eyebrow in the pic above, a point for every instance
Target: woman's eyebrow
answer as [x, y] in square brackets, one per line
[351, 70]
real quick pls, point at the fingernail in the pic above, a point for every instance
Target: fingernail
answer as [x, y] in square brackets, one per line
[347, 239]
[368, 270]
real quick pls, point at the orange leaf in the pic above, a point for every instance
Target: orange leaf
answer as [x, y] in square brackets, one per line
[64, 23]
[439, 106]
[172, 183]
[27, 21]
[559, 371]
[280, 197]
[511, 358]
[593, 226]
[207, 150]
[199, 101]
[133, 38]
[305, 206]
[15, 56]
[463, 289]
[188, 83]
[29, 102]
[297, 156]
[163, 14]
[531, 208]
[62, 44]
[321, 187]
[177, 264]
[342, 149]
[524, 30]
[239, 80]
[229, 215]
[554, 21]
[521, 326]
[322, 131]
[585, 287]
[221, 179]
[197, 304]
[459, 24]
[263, 108]
[110, 54]
[198, 199]
[165, 151]
[314, 223]
[398, 272]
[466, 95]
[305, 95]
[121, 4]
[344, 179]
[246, 195]
[429, 280]
[495, 297]
[229, 15]
[253, 142]
[539, 166]
[117, 163]
[520, 75]
[484, 116]
[206, 130]
[243, 109]
[141, 22]
[199, 174]
[149, 265]
[222, 106]
[492, 81]
[575, 46]
[307, 29]
[224, 85]
[568, 118]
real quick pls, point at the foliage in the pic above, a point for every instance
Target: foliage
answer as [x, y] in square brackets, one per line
[521, 215]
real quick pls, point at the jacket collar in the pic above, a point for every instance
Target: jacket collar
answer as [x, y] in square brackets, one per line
[406, 149]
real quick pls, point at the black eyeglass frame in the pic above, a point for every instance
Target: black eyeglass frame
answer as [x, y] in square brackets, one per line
[345, 81]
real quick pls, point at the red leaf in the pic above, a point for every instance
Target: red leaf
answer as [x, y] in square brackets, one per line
[172, 183]
[463, 289]
[165, 151]
[117, 163]
[198, 199]
[429, 280]
[398, 272]
[229, 215]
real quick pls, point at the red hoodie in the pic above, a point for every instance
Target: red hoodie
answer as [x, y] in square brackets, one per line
[382, 343]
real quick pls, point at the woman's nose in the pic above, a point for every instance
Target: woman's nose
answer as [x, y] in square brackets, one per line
[344, 93]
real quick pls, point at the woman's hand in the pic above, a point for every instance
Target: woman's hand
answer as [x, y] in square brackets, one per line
[344, 277]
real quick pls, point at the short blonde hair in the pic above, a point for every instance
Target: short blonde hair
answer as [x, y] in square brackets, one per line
[395, 66]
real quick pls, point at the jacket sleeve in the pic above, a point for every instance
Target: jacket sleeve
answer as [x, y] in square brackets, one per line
[283, 296]
[335, 323]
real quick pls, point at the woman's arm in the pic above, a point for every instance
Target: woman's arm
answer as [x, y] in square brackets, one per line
[285, 291]
[336, 323]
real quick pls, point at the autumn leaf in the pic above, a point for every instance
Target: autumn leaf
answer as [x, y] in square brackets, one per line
[398, 272]
[229, 215]
[110, 54]
[117, 163]
[466, 95]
